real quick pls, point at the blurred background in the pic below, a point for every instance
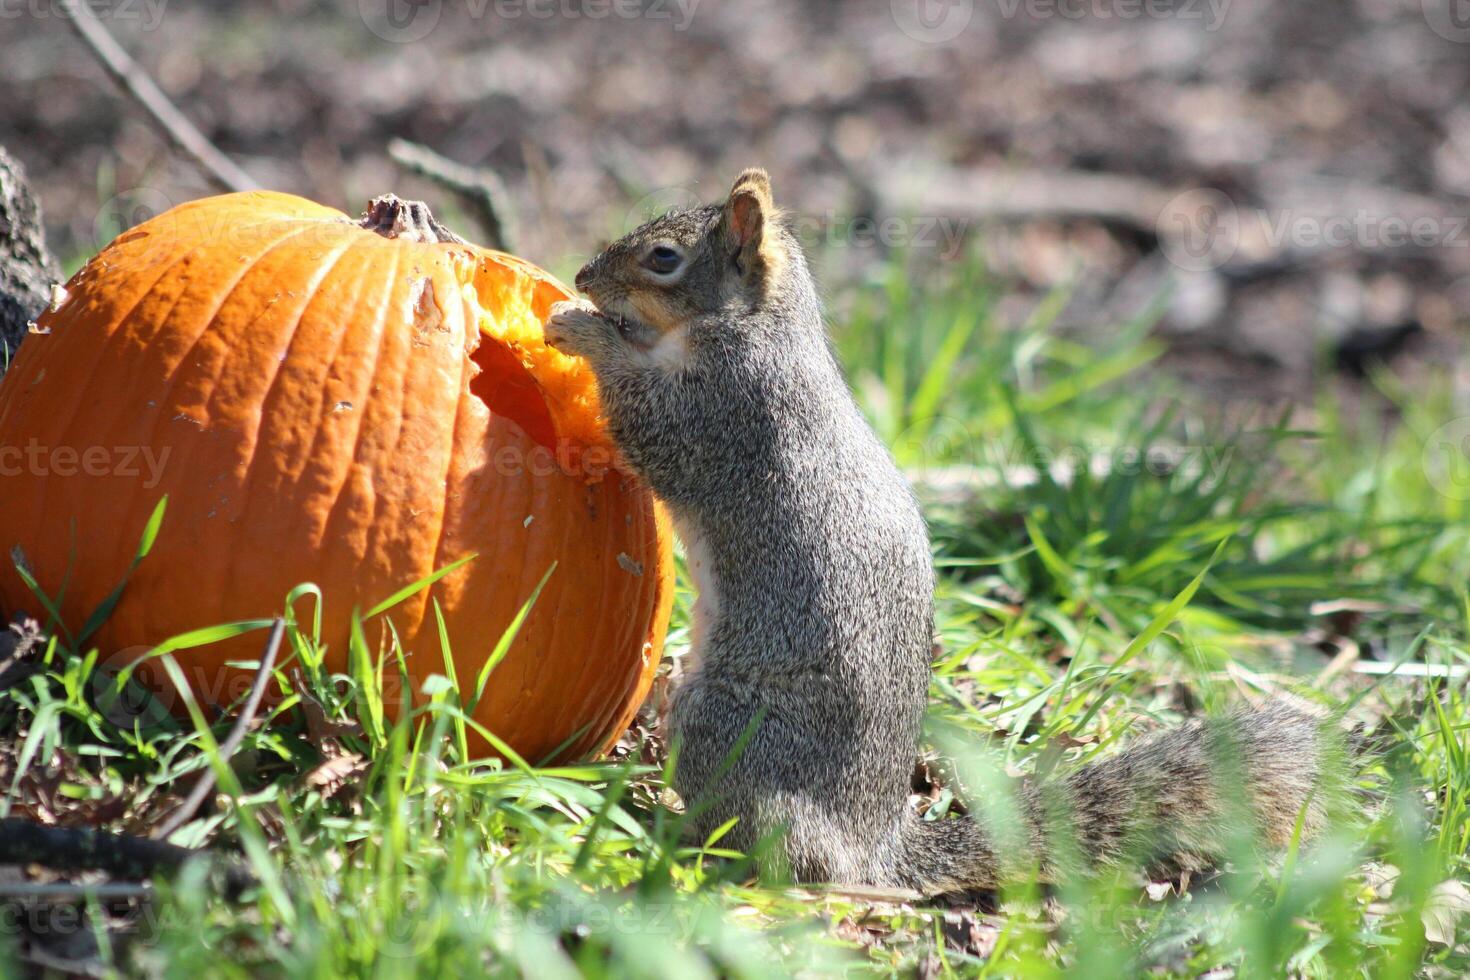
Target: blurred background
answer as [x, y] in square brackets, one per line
[1278, 189]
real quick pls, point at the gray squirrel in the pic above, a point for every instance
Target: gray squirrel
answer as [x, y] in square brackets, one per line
[813, 628]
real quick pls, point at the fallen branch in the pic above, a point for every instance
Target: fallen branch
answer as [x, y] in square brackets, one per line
[132, 79]
[120, 855]
[480, 189]
[1003, 194]
[206, 781]
[70, 891]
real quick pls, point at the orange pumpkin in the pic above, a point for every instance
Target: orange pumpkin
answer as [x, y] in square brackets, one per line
[353, 404]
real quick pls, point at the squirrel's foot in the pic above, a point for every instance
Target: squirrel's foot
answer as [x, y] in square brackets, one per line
[575, 327]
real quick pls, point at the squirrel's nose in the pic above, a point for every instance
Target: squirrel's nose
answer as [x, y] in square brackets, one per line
[584, 277]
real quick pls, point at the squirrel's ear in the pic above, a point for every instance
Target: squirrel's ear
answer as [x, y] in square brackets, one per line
[753, 179]
[747, 211]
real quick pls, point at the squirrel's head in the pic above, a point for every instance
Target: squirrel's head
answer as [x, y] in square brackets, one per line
[691, 262]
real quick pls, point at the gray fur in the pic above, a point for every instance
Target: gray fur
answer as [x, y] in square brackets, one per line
[821, 561]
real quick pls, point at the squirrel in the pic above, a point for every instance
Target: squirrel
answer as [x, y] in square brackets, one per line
[800, 704]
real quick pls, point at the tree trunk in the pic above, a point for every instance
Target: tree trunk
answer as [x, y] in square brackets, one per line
[27, 268]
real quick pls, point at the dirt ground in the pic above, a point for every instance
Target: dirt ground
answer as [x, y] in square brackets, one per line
[1292, 177]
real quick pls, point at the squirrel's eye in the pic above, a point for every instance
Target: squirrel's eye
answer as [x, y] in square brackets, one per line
[662, 260]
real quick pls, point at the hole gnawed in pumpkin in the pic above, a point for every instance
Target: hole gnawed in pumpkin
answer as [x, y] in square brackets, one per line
[551, 396]
[508, 390]
[504, 383]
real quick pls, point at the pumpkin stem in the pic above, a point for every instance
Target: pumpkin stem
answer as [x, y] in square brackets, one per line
[392, 217]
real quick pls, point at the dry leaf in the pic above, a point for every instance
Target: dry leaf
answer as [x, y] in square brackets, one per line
[1158, 890]
[336, 772]
[852, 931]
[1381, 878]
[967, 933]
[319, 727]
[1447, 903]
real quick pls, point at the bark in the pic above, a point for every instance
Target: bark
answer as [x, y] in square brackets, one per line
[27, 268]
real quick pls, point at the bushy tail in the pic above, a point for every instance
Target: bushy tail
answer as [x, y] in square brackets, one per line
[1175, 801]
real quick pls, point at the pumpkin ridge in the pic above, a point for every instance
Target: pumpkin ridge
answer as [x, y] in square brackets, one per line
[563, 597]
[619, 642]
[165, 395]
[507, 583]
[619, 713]
[272, 387]
[608, 644]
[547, 608]
[125, 540]
[49, 316]
[61, 435]
[548, 604]
[222, 296]
[383, 477]
[419, 601]
[650, 526]
[190, 449]
[650, 597]
[251, 439]
[442, 543]
[564, 594]
[330, 501]
[383, 328]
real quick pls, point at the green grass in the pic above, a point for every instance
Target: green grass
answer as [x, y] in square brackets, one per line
[1074, 613]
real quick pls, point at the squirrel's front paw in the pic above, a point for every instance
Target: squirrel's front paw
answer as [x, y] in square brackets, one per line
[575, 327]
